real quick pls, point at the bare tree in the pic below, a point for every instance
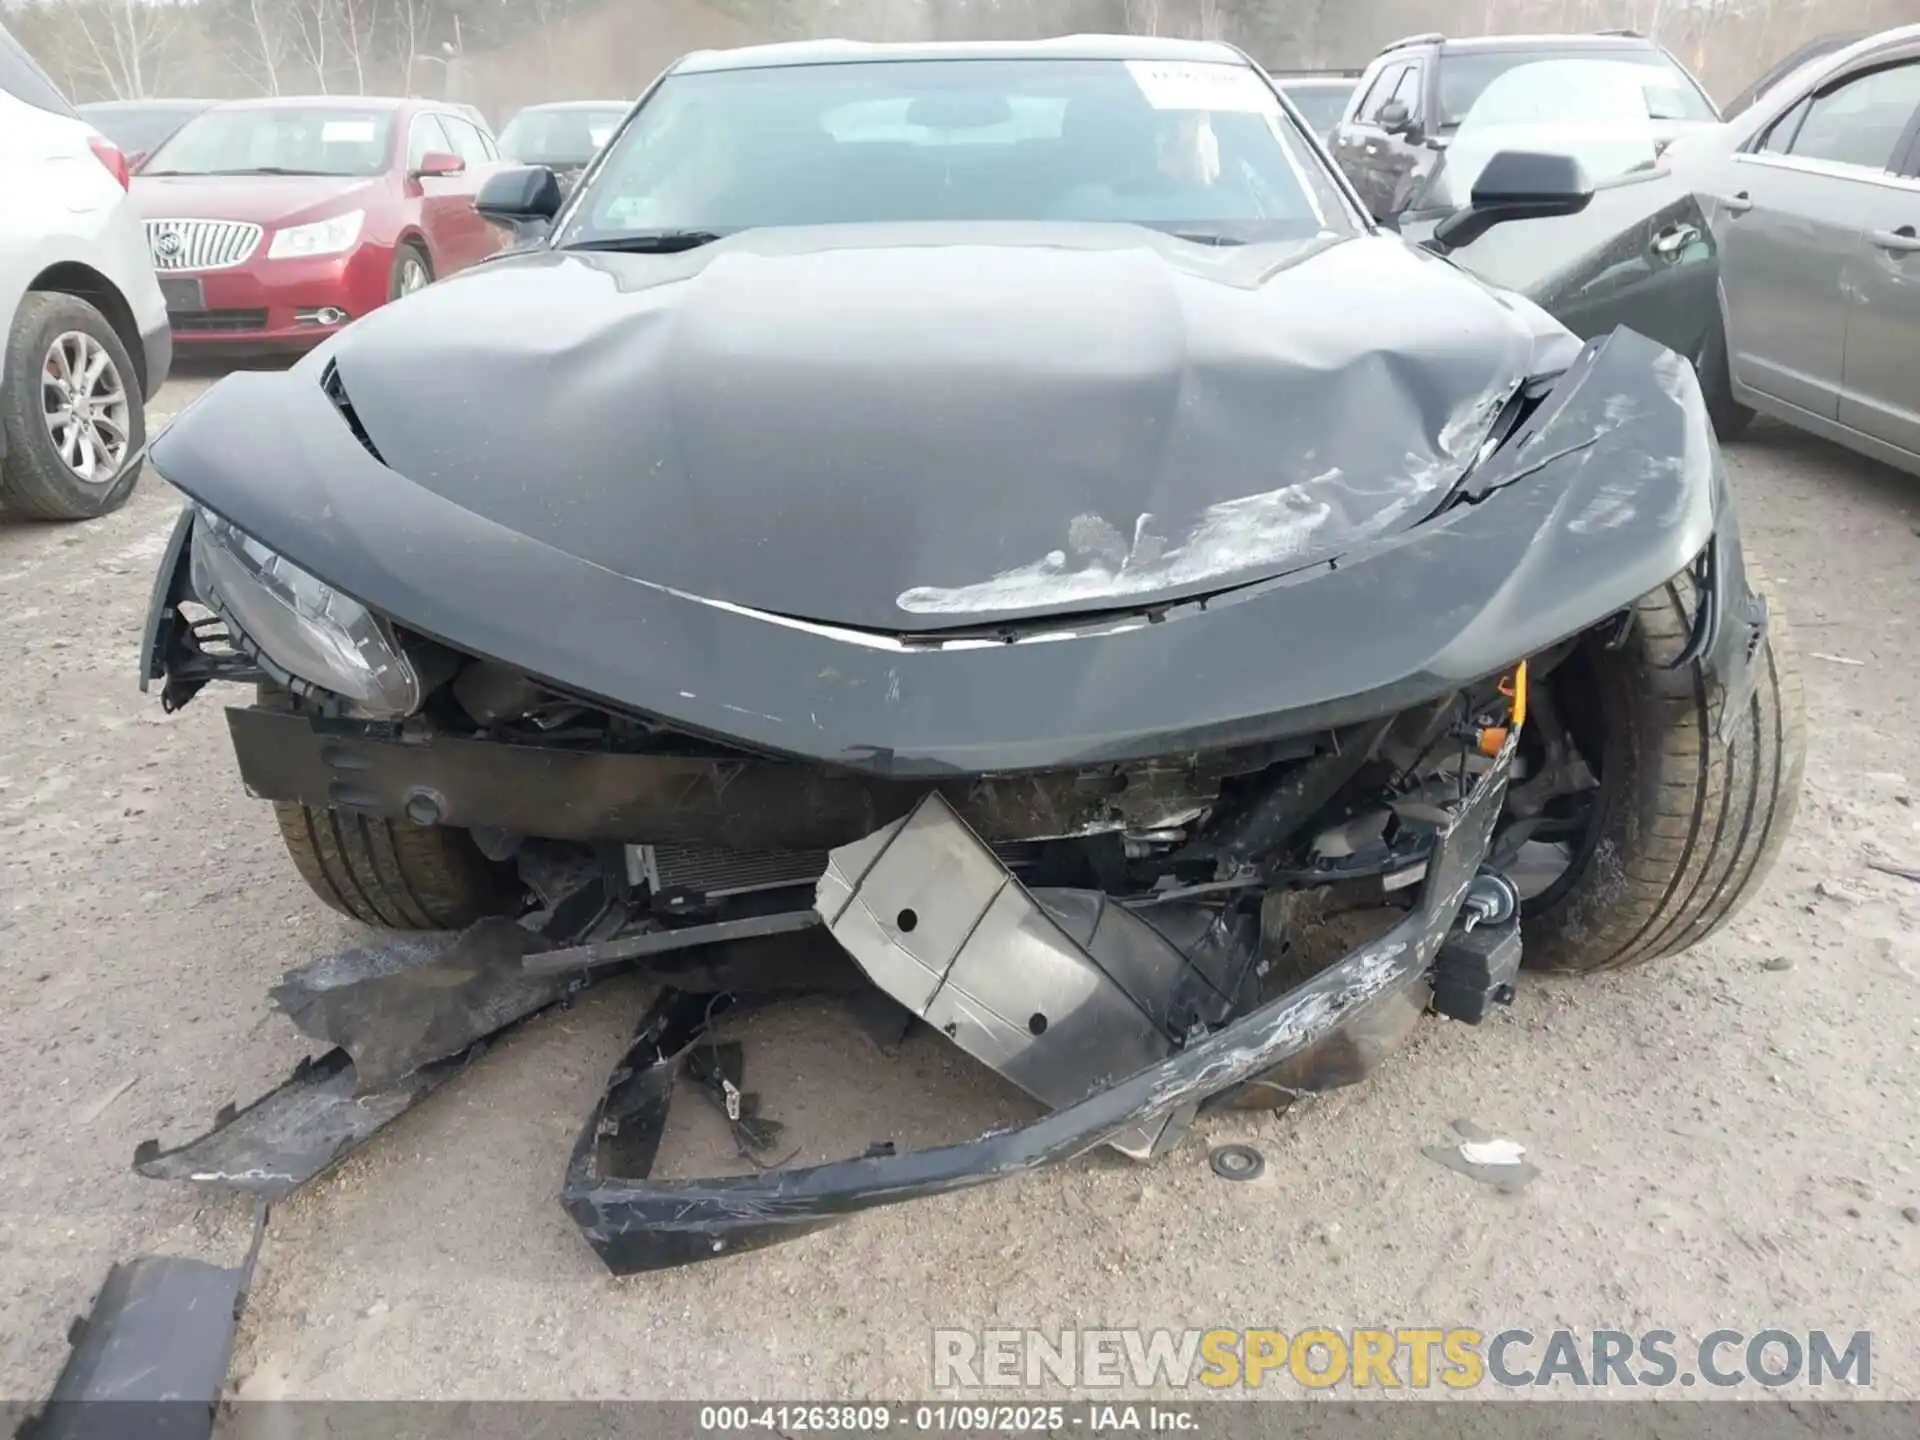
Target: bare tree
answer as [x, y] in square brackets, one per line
[312, 24]
[412, 24]
[122, 42]
[358, 21]
[1144, 17]
[256, 43]
[512, 50]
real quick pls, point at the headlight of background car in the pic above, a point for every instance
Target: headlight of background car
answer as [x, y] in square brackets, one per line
[301, 623]
[322, 237]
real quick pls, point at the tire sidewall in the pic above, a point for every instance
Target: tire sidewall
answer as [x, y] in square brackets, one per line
[1693, 802]
[1715, 373]
[36, 481]
[1562, 924]
[410, 250]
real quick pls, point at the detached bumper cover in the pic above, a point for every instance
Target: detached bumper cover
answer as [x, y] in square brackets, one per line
[325, 1111]
[635, 1224]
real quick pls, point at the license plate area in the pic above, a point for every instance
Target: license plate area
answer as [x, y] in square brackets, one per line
[182, 294]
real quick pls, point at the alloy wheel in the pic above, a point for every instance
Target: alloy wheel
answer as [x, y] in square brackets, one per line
[85, 405]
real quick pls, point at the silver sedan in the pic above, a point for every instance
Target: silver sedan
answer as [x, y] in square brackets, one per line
[1813, 195]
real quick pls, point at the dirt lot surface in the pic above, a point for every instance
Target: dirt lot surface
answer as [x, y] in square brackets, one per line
[1729, 1139]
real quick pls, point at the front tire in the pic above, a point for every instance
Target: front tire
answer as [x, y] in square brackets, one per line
[412, 271]
[1683, 827]
[72, 411]
[1730, 418]
[395, 876]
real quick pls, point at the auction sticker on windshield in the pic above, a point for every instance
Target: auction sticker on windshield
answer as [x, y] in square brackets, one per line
[346, 132]
[1172, 86]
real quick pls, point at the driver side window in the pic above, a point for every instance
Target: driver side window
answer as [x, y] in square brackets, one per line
[1388, 88]
[1861, 121]
[1407, 91]
[424, 138]
[1779, 136]
[466, 140]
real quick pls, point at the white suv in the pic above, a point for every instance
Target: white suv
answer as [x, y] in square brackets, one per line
[84, 326]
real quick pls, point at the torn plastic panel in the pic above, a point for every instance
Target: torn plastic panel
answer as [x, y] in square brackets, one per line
[1614, 407]
[1061, 991]
[151, 1357]
[315, 1119]
[175, 1296]
[411, 1000]
[1301, 1039]
[1730, 626]
[181, 653]
[404, 1017]
[636, 1224]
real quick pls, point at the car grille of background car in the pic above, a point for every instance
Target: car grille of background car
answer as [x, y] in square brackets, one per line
[200, 244]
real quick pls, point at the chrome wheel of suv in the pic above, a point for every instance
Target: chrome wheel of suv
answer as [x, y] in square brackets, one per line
[84, 402]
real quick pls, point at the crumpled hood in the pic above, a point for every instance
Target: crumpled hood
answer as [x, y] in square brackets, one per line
[863, 428]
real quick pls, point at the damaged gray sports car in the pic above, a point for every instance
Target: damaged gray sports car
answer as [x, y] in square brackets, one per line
[994, 533]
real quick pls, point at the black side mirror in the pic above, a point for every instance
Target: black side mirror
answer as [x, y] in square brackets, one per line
[524, 199]
[1394, 117]
[1516, 185]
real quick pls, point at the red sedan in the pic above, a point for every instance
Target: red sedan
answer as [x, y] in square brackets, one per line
[274, 222]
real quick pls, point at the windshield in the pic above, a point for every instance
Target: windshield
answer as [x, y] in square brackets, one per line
[559, 137]
[1202, 150]
[277, 140]
[1597, 111]
[1465, 78]
[137, 128]
[1323, 105]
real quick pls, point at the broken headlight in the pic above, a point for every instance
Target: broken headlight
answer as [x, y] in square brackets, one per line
[301, 623]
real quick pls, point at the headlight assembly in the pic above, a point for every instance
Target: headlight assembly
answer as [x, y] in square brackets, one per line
[321, 237]
[301, 623]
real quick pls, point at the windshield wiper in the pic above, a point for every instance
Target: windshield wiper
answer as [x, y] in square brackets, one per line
[652, 242]
[250, 170]
[1205, 237]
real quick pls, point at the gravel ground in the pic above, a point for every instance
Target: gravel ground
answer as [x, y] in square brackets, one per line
[1727, 1139]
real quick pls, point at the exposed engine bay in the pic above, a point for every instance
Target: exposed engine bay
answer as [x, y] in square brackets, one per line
[1158, 928]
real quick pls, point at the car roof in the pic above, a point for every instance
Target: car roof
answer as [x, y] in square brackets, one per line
[96, 107]
[329, 102]
[574, 105]
[1473, 43]
[1867, 46]
[1818, 69]
[1062, 47]
[1301, 82]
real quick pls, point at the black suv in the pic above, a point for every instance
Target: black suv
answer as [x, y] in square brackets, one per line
[1417, 91]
